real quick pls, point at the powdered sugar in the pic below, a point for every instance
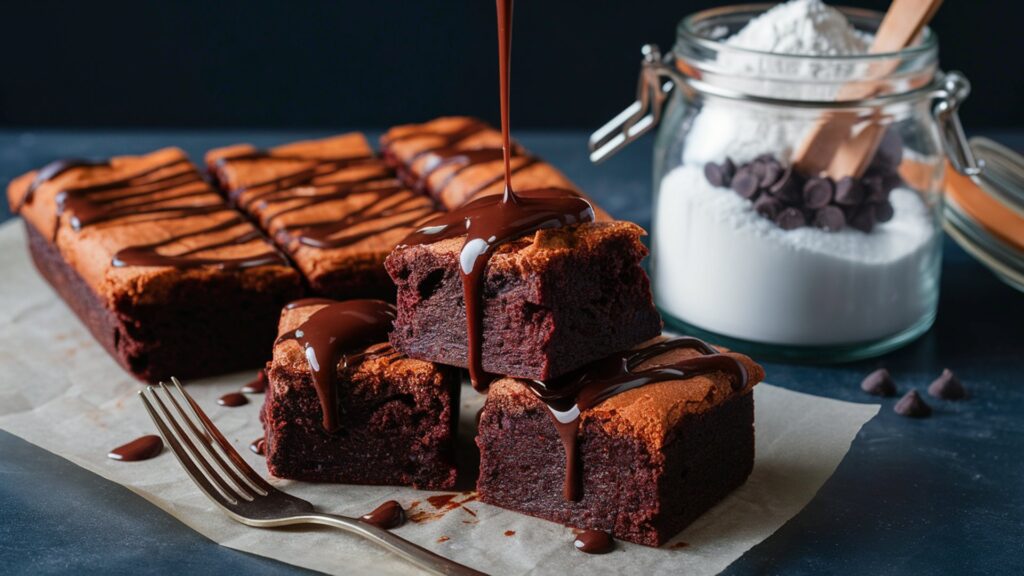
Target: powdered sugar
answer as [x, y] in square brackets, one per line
[808, 27]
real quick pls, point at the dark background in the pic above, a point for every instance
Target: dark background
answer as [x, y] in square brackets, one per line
[306, 64]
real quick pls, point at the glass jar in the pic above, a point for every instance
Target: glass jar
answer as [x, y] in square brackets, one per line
[725, 264]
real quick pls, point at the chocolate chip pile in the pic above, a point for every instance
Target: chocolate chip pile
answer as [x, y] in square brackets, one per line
[792, 200]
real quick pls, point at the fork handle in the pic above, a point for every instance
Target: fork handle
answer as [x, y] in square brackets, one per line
[417, 555]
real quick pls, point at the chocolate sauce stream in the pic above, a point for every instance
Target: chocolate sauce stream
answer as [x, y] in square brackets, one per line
[387, 516]
[491, 221]
[333, 332]
[142, 448]
[569, 396]
[150, 193]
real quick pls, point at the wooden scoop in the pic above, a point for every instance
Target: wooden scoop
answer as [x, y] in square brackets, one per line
[829, 147]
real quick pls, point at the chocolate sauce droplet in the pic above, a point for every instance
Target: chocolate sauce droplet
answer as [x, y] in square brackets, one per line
[594, 542]
[947, 387]
[233, 400]
[258, 446]
[912, 406]
[879, 383]
[257, 385]
[387, 516]
[142, 448]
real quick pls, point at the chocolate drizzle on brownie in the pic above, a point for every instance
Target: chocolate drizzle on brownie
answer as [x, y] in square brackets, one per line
[314, 184]
[51, 171]
[142, 448]
[152, 194]
[567, 397]
[493, 220]
[387, 516]
[339, 333]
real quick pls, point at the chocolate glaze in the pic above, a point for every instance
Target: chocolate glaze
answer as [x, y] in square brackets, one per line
[594, 542]
[391, 199]
[258, 446]
[257, 385]
[569, 396]
[155, 193]
[233, 400]
[387, 516]
[330, 335]
[493, 220]
[142, 448]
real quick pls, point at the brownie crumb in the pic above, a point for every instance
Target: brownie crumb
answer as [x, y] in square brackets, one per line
[879, 383]
[912, 406]
[947, 387]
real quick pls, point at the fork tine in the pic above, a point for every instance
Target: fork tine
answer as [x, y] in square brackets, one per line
[186, 462]
[214, 434]
[208, 447]
[197, 457]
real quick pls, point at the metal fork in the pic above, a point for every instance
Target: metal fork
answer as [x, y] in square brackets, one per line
[219, 471]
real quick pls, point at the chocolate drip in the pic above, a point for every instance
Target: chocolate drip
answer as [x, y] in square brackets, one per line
[387, 516]
[142, 448]
[258, 446]
[257, 385]
[330, 335]
[390, 200]
[152, 194]
[233, 400]
[493, 220]
[303, 302]
[594, 542]
[569, 396]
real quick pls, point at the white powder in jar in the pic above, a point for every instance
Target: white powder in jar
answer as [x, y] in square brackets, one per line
[722, 267]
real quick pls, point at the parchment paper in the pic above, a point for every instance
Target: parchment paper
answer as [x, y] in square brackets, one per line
[60, 391]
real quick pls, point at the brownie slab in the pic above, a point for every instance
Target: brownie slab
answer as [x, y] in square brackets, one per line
[334, 208]
[457, 159]
[652, 459]
[168, 278]
[552, 301]
[396, 417]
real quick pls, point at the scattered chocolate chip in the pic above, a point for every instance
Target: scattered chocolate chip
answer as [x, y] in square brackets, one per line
[790, 219]
[768, 206]
[830, 218]
[715, 175]
[912, 406]
[883, 211]
[947, 387]
[849, 192]
[879, 383]
[863, 219]
[745, 183]
[818, 193]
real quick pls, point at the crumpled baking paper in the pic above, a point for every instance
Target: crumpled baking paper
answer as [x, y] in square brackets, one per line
[60, 391]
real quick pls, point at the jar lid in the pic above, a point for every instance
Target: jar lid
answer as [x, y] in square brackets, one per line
[985, 212]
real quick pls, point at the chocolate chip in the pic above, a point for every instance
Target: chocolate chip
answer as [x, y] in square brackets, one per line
[729, 167]
[768, 206]
[863, 219]
[772, 172]
[879, 383]
[891, 181]
[830, 218]
[890, 150]
[818, 193]
[912, 406]
[849, 192]
[883, 211]
[873, 187]
[947, 387]
[745, 183]
[787, 187]
[716, 175]
[757, 168]
[791, 219]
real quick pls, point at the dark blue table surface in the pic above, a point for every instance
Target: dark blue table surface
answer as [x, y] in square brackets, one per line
[944, 495]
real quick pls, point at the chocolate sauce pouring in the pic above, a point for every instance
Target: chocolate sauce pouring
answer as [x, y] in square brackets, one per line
[493, 220]
[155, 193]
[330, 335]
[570, 395]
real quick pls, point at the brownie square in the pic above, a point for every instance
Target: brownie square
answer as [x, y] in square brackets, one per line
[652, 459]
[457, 159]
[330, 204]
[201, 295]
[552, 301]
[397, 418]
